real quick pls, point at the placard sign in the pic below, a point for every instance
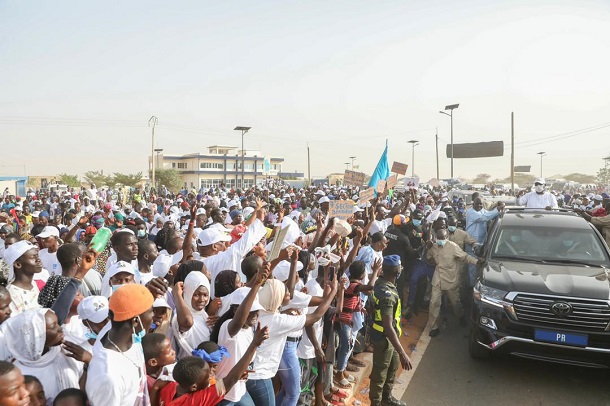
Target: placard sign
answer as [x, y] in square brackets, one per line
[380, 186]
[391, 181]
[341, 209]
[276, 247]
[366, 195]
[399, 168]
[411, 183]
[352, 178]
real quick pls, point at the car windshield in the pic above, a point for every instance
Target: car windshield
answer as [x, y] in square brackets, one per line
[550, 244]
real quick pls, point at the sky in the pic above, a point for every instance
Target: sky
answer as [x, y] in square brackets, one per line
[80, 81]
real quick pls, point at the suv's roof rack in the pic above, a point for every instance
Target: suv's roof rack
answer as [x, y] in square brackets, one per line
[533, 210]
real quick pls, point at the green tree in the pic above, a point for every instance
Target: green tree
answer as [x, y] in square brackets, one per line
[580, 178]
[603, 175]
[482, 178]
[98, 178]
[131, 180]
[69, 180]
[168, 177]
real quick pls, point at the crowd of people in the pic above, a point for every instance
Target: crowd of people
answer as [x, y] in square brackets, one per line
[232, 297]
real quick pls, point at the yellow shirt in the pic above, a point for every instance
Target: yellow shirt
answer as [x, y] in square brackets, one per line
[448, 260]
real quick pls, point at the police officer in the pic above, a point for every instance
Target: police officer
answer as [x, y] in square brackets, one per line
[387, 350]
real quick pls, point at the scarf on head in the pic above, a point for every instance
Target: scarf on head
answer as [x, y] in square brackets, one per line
[214, 357]
[271, 295]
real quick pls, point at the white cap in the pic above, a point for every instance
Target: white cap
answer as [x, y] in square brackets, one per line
[232, 203]
[211, 236]
[35, 214]
[118, 267]
[356, 209]
[93, 308]
[342, 228]
[320, 193]
[224, 209]
[200, 211]
[540, 180]
[239, 295]
[164, 262]
[282, 270]
[324, 199]
[598, 197]
[48, 231]
[247, 211]
[13, 253]
[161, 302]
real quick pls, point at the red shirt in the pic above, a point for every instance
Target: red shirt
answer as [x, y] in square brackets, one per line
[205, 397]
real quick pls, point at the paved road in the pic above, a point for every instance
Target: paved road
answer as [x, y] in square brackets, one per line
[447, 375]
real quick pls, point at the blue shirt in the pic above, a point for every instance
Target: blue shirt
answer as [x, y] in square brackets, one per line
[476, 223]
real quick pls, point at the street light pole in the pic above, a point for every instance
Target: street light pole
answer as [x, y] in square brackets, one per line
[451, 107]
[414, 143]
[243, 131]
[352, 158]
[152, 122]
[346, 166]
[541, 155]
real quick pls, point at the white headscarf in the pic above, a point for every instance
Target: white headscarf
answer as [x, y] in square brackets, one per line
[25, 336]
[192, 282]
[185, 342]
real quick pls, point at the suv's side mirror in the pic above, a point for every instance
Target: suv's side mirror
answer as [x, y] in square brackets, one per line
[479, 250]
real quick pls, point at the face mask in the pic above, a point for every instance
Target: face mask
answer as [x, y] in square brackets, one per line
[115, 287]
[136, 338]
[416, 222]
[90, 335]
[515, 238]
[141, 233]
[441, 242]
[539, 188]
[452, 229]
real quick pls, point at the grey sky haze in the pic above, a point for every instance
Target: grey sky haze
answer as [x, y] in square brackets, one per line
[81, 79]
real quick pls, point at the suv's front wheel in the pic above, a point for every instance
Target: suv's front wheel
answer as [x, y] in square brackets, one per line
[476, 350]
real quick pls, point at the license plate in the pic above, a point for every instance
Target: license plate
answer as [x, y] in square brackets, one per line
[558, 337]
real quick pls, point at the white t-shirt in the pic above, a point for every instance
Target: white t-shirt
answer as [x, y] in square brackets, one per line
[533, 200]
[50, 262]
[237, 346]
[269, 354]
[380, 225]
[299, 301]
[305, 350]
[114, 378]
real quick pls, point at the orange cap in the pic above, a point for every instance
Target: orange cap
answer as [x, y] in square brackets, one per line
[130, 301]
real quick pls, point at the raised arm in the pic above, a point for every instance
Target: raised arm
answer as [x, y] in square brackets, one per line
[235, 374]
[183, 315]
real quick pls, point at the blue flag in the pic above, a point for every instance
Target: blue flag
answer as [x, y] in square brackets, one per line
[382, 171]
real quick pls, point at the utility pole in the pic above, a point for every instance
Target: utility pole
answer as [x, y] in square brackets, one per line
[308, 166]
[152, 122]
[437, 171]
[512, 152]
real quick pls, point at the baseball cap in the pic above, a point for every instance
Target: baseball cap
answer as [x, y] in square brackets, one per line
[398, 220]
[130, 301]
[48, 231]
[540, 180]
[93, 308]
[13, 253]
[324, 199]
[211, 236]
[239, 295]
[161, 302]
[118, 267]
[356, 209]
[282, 270]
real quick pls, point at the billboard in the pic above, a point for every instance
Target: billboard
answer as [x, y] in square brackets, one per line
[476, 150]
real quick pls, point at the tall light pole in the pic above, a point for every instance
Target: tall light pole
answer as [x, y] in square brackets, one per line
[541, 155]
[243, 131]
[352, 158]
[414, 143]
[158, 151]
[346, 166]
[152, 122]
[451, 107]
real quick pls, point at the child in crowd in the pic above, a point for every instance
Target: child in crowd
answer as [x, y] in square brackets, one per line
[158, 353]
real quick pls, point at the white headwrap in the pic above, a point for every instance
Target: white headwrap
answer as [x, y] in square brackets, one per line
[25, 336]
[192, 282]
[13, 253]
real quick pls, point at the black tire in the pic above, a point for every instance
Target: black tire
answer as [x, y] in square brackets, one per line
[476, 350]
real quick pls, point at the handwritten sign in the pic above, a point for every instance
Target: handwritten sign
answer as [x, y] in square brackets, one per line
[391, 181]
[352, 178]
[399, 168]
[341, 209]
[276, 247]
[380, 186]
[366, 195]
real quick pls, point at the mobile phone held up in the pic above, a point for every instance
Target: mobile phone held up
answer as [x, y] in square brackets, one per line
[331, 273]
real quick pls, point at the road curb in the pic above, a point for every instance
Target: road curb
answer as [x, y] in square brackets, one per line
[402, 383]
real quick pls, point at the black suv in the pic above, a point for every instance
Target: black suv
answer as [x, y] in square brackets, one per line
[544, 291]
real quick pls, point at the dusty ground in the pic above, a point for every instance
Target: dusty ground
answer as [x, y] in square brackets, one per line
[411, 333]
